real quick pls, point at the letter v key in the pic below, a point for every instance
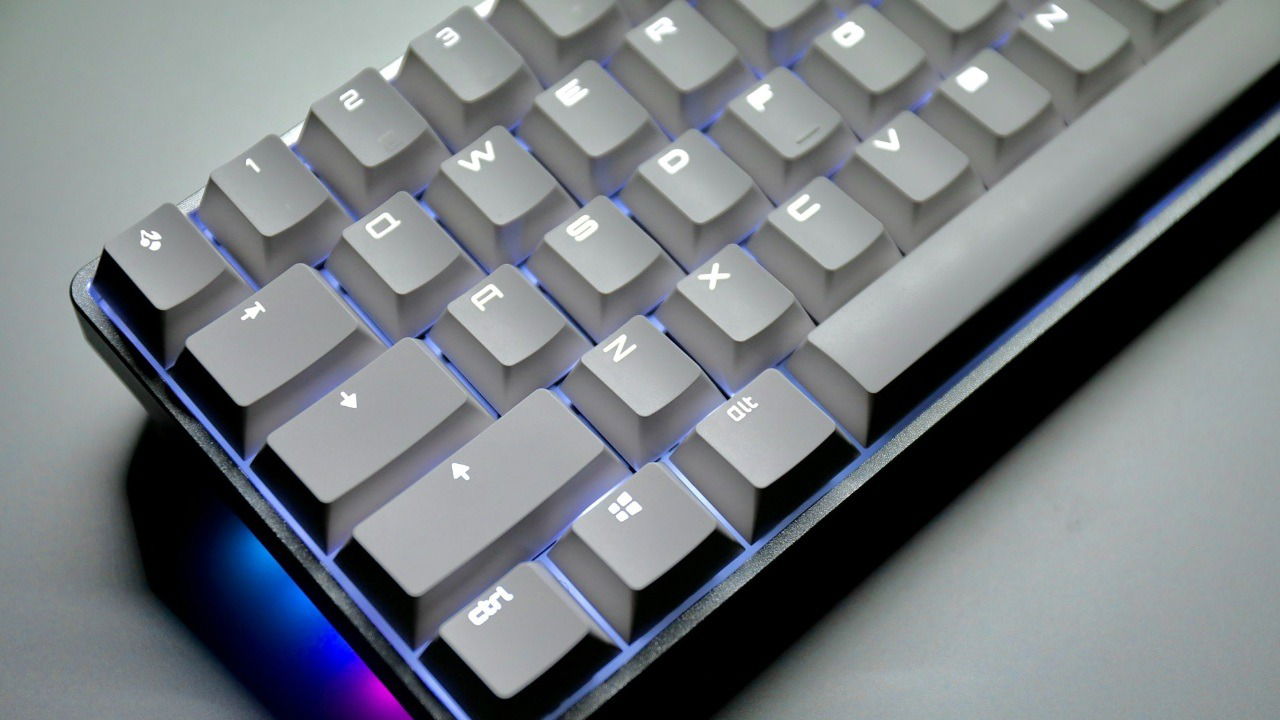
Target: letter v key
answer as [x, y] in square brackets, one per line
[892, 144]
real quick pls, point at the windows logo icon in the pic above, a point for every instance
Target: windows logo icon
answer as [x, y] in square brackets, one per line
[624, 507]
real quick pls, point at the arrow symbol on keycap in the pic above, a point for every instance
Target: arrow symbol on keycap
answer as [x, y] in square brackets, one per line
[461, 472]
[891, 144]
[713, 277]
[1047, 20]
[253, 311]
[348, 400]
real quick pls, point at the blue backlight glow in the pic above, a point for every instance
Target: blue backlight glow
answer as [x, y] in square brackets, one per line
[281, 635]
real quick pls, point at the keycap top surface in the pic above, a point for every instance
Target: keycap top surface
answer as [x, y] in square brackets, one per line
[640, 391]
[734, 318]
[494, 502]
[823, 246]
[911, 178]
[867, 69]
[994, 113]
[464, 78]
[401, 267]
[368, 439]
[590, 132]
[693, 199]
[269, 211]
[602, 268]
[368, 142]
[507, 338]
[769, 32]
[273, 354]
[1081, 54]
[496, 200]
[166, 280]
[783, 134]
[642, 548]
[555, 37]
[950, 30]
[679, 67]
[521, 634]
[758, 455]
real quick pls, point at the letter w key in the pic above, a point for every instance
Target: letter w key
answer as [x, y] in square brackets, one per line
[478, 157]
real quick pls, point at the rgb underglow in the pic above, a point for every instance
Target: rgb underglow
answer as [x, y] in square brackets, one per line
[313, 665]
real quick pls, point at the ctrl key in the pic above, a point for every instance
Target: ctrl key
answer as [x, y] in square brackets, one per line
[520, 648]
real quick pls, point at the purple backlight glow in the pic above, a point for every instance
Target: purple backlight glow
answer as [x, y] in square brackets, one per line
[298, 658]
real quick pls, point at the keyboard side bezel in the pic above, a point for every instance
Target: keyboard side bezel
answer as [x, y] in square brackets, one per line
[266, 524]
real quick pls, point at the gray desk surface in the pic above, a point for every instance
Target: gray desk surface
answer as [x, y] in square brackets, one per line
[1119, 562]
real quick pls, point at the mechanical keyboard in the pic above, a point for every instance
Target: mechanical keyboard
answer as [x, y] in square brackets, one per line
[528, 350]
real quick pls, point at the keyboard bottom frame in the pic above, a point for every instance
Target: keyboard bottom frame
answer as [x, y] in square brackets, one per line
[983, 407]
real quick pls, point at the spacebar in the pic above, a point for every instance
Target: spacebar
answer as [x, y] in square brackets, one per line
[854, 363]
